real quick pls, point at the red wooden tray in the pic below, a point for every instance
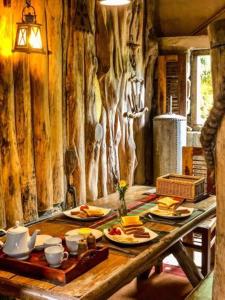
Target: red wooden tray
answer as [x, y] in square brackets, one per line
[36, 266]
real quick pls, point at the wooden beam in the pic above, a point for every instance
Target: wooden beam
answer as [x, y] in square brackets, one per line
[181, 44]
[208, 21]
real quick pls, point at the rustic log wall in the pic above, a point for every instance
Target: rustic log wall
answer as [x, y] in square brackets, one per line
[214, 130]
[73, 98]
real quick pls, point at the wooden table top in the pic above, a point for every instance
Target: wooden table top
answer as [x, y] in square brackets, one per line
[111, 274]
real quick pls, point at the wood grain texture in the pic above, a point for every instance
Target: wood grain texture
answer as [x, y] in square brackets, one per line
[150, 48]
[75, 86]
[217, 36]
[24, 129]
[54, 37]
[161, 100]
[92, 109]
[24, 135]
[10, 165]
[61, 97]
[41, 121]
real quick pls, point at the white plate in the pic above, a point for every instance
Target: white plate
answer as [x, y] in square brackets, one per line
[106, 211]
[40, 239]
[97, 233]
[117, 238]
[168, 215]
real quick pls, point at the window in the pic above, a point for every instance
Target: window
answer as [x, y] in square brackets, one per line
[201, 87]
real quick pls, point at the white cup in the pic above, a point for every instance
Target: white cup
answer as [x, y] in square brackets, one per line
[53, 241]
[72, 243]
[55, 255]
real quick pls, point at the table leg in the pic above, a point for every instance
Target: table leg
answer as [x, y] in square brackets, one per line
[186, 263]
[159, 266]
[190, 240]
[144, 275]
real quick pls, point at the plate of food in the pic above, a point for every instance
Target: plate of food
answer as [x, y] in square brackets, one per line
[87, 213]
[130, 232]
[169, 208]
[84, 232]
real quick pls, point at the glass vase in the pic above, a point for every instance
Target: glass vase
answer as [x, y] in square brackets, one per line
[122, 206]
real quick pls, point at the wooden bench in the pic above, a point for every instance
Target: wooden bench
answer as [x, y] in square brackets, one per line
[203, 290]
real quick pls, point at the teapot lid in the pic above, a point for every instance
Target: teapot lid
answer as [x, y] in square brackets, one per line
[17, 229]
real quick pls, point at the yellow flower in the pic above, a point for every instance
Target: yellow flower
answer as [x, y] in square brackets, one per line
[122, 183]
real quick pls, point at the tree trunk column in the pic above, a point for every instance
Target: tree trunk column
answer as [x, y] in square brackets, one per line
[217, 41]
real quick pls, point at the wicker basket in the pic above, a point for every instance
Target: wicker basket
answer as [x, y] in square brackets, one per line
[192, 188]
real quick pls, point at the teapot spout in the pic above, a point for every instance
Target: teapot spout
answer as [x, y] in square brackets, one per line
[32, 239]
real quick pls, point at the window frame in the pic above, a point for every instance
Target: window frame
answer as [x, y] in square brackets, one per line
[194, 84]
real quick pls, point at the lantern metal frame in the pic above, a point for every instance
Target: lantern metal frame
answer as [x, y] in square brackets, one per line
[25, 29]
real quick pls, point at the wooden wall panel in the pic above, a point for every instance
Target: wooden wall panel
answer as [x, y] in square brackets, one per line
[41, 119]
[24, 135]
[75, 101]
[60, 97]
[10, 165]
[213, 133]
[54, 11]
[161, 99]
[24, 128]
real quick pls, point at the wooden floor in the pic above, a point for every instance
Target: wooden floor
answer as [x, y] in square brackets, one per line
[203, 291]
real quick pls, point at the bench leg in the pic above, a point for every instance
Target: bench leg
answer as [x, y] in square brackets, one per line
[190, 240]
[206, 252]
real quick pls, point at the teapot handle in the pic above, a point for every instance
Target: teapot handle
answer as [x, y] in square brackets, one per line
[2, 232]
[1, 244]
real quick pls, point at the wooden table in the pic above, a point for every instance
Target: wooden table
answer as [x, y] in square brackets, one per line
[110, 275]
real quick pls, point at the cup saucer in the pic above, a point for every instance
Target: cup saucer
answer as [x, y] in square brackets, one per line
[73, 253]
[55, 266]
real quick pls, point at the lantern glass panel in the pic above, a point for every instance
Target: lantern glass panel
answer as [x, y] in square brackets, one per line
[22, 36]
[35, 37]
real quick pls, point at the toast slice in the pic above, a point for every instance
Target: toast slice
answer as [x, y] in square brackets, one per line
[97, 212]
[168, 203]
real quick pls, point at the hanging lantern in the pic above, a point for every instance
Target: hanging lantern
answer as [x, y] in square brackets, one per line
[114, 2]
[28, 34]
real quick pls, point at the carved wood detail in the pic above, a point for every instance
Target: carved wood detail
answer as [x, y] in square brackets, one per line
[73, 98]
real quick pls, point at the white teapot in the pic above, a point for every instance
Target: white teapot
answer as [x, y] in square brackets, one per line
[18, 243]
